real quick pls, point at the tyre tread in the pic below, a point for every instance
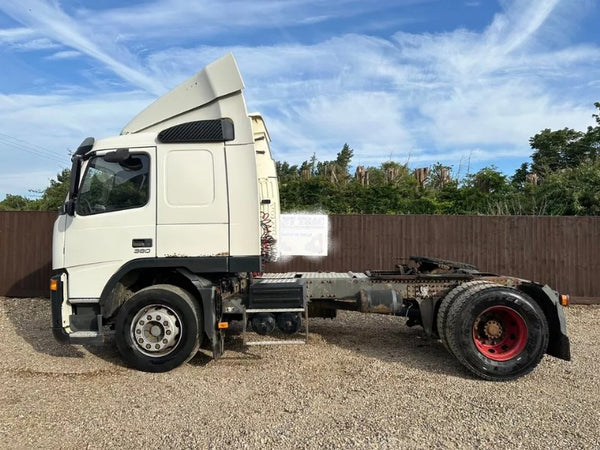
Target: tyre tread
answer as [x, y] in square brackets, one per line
[446, 303]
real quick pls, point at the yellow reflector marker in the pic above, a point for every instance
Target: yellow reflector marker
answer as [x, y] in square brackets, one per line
[564, 299]
[54, 285]
[223, 325]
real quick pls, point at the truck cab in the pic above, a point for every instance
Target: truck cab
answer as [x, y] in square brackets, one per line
[188, 187]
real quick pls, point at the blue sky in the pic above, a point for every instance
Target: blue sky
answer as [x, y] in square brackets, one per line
[462, 82]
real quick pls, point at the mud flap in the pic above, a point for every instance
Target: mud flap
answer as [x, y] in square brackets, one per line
[211, 307]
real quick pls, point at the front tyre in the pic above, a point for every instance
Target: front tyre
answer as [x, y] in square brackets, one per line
[497, 333]
[159, 328]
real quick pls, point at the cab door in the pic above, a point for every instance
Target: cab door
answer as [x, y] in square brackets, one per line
[114, 220]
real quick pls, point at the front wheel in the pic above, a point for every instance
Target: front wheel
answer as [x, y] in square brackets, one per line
[159, 328]
[497, 333]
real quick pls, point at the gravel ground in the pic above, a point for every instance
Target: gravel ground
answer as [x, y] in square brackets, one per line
[364, 381]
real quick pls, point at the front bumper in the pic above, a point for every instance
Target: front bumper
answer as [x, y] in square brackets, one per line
[84, 323]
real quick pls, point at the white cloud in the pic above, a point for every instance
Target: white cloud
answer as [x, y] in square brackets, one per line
[516, 26]
[371, 122]
[65, 54]
[35, 44]
[25, 39]
[16, 34]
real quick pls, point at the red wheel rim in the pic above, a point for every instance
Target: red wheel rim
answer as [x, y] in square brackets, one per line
[500, 333]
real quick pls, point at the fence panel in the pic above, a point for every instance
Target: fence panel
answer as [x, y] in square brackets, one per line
[25, 253]
[559, 251]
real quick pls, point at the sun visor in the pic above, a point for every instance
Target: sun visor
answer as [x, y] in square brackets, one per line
[216, 80]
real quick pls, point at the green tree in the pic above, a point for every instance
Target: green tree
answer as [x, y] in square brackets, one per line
[55, 194]
[519, 178]
[574, 191]
[489, 181]
[565, 163]
[556, 150]
[285, 172]
[337, 170]
[565, 149]
[439, 176]
[343, 159]
[17, 203]
[482, 192]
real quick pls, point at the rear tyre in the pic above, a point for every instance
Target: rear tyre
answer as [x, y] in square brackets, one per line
[159, 328]
[497, 333]
[447, 301]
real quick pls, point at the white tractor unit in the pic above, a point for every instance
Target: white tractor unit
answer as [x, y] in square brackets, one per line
[163, 236]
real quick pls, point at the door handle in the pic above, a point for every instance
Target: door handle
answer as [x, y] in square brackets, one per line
[137, 243]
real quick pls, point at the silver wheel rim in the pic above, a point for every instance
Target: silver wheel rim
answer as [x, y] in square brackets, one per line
[156, 330]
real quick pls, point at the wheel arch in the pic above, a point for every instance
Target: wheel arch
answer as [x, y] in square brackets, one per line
[125, 283]
[547, 300]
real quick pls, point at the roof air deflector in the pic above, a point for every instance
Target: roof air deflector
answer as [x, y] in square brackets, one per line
[219, 79]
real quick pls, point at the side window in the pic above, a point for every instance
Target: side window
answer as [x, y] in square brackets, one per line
[114, 186]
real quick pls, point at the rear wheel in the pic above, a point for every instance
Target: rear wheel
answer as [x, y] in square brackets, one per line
[447, 301]
[497, 333]
[158, 329]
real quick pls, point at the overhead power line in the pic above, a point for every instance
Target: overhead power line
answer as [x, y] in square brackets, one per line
[29, 147]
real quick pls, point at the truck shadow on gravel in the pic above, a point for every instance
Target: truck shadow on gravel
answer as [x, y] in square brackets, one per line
[235, 351]
[388, 339]
[384, 338]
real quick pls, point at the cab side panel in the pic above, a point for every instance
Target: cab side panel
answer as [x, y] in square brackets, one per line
[243, 201]
[192, 210]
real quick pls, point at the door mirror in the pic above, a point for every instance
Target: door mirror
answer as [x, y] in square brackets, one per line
[68, 208]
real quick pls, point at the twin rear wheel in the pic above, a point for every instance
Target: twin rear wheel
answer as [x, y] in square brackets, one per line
[496, 332]
[159, 328]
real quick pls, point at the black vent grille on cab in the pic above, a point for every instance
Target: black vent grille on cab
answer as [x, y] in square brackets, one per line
[218, 130]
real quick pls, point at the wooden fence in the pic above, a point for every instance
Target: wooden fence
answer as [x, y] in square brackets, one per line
[25, 253]
[560, 251]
